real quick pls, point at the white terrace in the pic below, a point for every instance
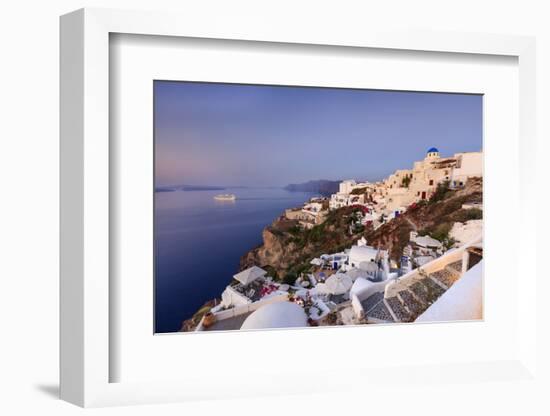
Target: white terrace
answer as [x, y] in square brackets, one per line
[246, 287]
[233, 318]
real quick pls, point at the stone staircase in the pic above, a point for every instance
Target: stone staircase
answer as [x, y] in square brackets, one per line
[409, 303]
[376, 310]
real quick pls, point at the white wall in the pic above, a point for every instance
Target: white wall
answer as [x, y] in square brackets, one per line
[346, 186]
[231, 297]
[29, 209]
[470, 165]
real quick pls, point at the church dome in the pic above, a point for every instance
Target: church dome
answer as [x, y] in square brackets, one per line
[432, 150]
[276, 315]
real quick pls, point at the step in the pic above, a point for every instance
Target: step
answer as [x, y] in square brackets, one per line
[412, 304]
[380, 313]
[420, 291]
[455, 266]
[372, 301]
[397, 310]
[445, 277]
[435, 289]
[427, 290]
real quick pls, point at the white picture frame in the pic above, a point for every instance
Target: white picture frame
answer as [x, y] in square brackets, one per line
[86, 355]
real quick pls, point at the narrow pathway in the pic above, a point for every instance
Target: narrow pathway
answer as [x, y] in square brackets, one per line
[412, 224]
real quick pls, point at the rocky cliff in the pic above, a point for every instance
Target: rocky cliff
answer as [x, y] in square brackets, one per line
[287, 249]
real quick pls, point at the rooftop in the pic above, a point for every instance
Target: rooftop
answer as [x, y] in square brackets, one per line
[249, 275]
[276, 315]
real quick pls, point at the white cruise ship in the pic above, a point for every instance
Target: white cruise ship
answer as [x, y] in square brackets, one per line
[225, 197]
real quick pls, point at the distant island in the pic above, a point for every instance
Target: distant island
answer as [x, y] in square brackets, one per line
[200, 188]
[189, 188]
[322, 186]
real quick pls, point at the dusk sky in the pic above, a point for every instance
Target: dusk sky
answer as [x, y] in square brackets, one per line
[247, 135]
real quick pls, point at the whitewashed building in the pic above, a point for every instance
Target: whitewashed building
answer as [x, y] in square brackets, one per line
[344, 196]
[406, 186]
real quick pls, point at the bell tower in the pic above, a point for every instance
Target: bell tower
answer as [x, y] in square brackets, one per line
[432, 153]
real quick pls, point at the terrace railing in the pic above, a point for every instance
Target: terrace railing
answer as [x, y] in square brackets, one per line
[243, 309]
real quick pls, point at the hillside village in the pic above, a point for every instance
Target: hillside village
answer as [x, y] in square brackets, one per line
[405, 249]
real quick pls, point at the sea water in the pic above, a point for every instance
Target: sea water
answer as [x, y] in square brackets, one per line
[199, 242]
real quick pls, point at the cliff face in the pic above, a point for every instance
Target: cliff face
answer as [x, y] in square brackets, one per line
[288, 249]
[189, 325]
[276, 251]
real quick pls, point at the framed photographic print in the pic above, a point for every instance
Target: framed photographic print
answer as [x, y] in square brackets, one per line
[227, 195]
[255, 227]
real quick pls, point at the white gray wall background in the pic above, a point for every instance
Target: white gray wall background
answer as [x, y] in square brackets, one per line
[29, 180]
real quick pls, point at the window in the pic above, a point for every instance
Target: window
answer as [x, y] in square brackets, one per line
[431, 182]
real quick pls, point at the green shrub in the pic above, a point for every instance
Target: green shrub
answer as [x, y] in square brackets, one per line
[358, 191]
[449, 242]
[303, 268]
[441, 231]
[358, 229]
[452, 206]
[421, 203]
[440, 192]
[316, 233]
[468, 214]
[294, 230]
[276, 231]
[271, 272]
[290, 278]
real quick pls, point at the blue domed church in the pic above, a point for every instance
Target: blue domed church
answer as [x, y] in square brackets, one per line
[432, 153]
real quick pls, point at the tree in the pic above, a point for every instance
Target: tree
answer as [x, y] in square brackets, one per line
[359, 191]
[440, 192]
[290, 278]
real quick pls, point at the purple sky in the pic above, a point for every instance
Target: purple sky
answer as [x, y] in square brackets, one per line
[249, 135]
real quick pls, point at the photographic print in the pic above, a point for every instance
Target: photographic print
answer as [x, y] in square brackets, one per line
[295, 207]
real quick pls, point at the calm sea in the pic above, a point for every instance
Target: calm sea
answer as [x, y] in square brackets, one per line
[199, 242]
